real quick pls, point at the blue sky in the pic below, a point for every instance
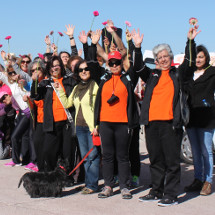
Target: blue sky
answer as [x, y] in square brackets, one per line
[161, 21]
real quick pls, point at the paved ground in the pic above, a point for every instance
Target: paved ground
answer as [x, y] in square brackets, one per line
[14, 201]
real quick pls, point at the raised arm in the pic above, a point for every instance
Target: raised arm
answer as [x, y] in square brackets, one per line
[48, 44]
[83, 39]
[70, 33]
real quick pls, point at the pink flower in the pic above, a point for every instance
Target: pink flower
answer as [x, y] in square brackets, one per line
[95, 13]
[193, 21]
[114, 28]
[51, 32]
[60, 33]
[20, 56]
[41, 56]
[8, 37]
[128, 23]
[104, 23]
[1, 45]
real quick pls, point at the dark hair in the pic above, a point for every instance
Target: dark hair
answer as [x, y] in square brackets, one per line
[1, 68]
[49, 56]
[72, 58]
[50, 64]
[203, 49]
[21, 58]
[76, 72]
[64, 52]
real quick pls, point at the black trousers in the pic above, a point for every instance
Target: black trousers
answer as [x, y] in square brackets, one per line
[163, 145]
[115, 140]
[59, 143]
[20, 140]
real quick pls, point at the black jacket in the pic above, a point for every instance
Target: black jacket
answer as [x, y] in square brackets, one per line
[45, 92]
[151, 78]
[201, 100]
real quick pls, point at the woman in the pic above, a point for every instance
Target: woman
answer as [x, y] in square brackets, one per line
[21, 130]
[161, 115]
[83, 98]
[116, 114]
[58, 130]
[202, 122]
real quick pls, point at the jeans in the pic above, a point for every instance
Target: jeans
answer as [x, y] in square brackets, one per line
[202, 150]
[91, 164]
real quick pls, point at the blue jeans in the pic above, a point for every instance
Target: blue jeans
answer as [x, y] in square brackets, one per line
[202, 150]
[91, 164]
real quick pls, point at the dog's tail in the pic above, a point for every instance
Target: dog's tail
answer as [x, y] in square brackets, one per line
[20, 181]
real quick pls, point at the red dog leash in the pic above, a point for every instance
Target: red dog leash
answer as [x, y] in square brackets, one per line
[79, 164]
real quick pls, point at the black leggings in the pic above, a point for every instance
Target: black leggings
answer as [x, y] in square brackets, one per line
[115, 143]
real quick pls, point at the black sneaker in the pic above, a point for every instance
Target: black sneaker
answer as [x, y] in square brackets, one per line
[149, 198]
[167, 202]
[195, 186]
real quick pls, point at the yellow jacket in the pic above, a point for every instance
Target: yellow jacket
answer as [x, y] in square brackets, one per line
[88, 112]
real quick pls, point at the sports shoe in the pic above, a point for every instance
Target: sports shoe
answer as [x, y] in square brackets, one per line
[30, 166]
[87, 190]
[11, 163]
[34, 169]
[106, 192]
[206, 189]
[134, 181]
[126, 193]
[167, 202]
[195, 186]
[149, 198]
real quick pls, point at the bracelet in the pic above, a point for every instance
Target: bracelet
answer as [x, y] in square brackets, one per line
[71, 38]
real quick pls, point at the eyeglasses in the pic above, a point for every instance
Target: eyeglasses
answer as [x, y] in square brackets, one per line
[84, 69]
[112, 63]
[25, 61]
[3, 97]
[11, 73]
[32, 70]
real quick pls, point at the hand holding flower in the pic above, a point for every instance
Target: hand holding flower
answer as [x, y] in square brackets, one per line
[193, 32]
[47, 40]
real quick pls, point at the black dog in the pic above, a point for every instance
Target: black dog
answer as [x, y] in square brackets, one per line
[46, 184]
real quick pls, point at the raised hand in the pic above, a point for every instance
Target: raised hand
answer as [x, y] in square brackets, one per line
[69, 30]
[3, 55]
[109, 26]
[128, 35]
[193, 32]
[47, 40]
[137, 38]
[106, 41]
[80, 51]
[54, 48]
[82, 37]
[95, 36]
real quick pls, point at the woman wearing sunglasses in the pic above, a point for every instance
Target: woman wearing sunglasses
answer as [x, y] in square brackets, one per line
[21, 131]
[83, 98]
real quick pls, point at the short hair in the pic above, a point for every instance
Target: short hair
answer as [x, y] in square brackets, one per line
[161, 47]
[40, 63]
[72, 58]
[203, 49]
[50, 64]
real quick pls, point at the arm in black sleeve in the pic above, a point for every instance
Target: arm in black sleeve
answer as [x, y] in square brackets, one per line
[38, 93]
[85, 49]
[74, 50]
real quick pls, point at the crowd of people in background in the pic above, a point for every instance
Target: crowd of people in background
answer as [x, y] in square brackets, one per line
[52, 106]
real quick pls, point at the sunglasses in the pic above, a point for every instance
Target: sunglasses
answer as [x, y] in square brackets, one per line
[11, 73]
[3, 98]
[25, 61]
[112, 63]
[84, 69]
[32, 70]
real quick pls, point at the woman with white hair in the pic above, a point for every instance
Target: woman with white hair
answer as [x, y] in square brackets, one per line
[161, 115]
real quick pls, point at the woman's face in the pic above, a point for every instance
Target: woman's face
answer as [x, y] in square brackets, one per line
[200, 60]
[24, 64]
[84, 72]
[55, 70]
[13, 76]
[72, 65]
[64, 57]
[164, 60]
[38, 70]
[115, 66]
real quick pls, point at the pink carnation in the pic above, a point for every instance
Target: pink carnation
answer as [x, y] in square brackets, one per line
[41, 56]
[8, 37]
[1, 45]
[95, 13]
[104, 23]
[193, 21]
[60, 33]
[128, 23]
[51, 32]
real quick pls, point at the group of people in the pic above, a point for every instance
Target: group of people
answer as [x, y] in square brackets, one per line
[60, 102]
